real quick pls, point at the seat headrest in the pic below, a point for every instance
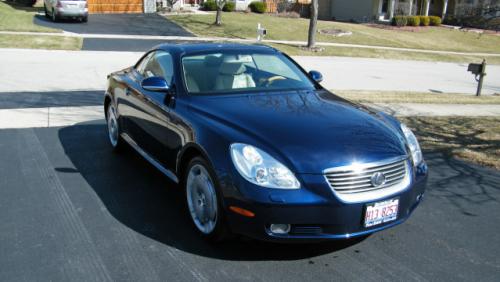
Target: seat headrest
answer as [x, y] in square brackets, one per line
[230, 68]
[211, 61]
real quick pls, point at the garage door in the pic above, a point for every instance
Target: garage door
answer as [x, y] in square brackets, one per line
[115, 6]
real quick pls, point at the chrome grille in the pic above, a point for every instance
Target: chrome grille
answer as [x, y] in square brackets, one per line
[358, 178]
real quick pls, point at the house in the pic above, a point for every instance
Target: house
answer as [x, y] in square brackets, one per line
[241, 5]
[369, 10]
[182, 4]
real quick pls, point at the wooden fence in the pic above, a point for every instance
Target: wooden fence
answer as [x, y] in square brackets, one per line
[272, 6]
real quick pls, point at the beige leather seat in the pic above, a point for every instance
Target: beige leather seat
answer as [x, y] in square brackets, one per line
[232, 76]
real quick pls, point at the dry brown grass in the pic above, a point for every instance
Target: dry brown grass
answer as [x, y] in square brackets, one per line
[472, 139]
[363, 96]
[40, 42]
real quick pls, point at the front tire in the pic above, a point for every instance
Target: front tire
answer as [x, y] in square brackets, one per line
[45, 10]
[204, 201]
[85, 19]
[113, 129]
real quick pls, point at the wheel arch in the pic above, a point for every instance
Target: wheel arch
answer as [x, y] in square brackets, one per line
[107, 101]
[188, 152]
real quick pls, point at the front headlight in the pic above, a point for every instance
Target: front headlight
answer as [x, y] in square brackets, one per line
[261, 169]
[416, 153]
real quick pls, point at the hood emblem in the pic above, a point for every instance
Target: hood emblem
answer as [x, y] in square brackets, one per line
[377, 179]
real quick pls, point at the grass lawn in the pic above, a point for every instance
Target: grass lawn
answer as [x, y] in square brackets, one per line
[40, 42]
[20, 18]
[383, 54]
[364, 96]
[243, 25]
[472, 139]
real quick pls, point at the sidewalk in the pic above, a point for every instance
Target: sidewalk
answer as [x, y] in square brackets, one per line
[413, 109]
[210, 39]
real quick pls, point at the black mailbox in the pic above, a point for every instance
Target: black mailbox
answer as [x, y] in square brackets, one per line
[475, 68]
[479, 70]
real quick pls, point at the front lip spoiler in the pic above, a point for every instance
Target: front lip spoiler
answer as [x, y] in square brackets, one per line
[336, 236]
[322, 237]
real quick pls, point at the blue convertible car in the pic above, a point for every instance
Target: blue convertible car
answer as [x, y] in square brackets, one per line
[259, 146]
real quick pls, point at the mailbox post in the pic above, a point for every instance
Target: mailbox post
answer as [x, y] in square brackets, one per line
[479, 70]
[261, 32]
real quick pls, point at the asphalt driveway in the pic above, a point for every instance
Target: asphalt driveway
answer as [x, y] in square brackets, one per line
[71, 210]
[120, 24]
[123, 24]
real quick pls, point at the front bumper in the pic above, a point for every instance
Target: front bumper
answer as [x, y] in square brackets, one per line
[314, 212]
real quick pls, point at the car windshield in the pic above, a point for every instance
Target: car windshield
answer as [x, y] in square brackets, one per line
[221, 72]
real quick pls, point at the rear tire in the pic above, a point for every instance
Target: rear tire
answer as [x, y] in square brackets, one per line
[114, 131]
[204, 202]
[55, 18]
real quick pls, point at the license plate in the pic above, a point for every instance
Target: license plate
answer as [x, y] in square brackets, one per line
[381, 212]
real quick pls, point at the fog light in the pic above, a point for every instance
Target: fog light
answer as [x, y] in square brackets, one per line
[280, 228]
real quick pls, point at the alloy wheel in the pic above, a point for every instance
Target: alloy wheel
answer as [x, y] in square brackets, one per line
[202, 199]
[113, 130]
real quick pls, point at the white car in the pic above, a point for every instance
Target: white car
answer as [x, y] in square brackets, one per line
[57, 9]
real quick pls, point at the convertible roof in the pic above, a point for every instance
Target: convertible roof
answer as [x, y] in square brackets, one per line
[197, 47]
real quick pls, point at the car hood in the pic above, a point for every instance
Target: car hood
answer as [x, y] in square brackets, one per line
[308, 130]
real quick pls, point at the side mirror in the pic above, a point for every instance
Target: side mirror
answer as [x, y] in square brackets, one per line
[155, 83]
[316, 76]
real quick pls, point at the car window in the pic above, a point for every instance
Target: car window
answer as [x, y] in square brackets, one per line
[165, 63]
[158, 64]
[228, 72]
[142, 64]
[275, 65]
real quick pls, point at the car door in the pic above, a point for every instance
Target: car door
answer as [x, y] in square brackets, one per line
[156, 133]
[128, 96]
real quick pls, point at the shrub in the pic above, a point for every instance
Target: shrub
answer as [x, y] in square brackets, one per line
[209, 5]
[258, 7]
[399, 21]
[435, 20]
[413, 20]
[229, 7]
[424, 20]
[451, 20]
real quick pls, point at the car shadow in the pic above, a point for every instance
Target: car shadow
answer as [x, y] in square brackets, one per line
[146, 201]
[41, 20]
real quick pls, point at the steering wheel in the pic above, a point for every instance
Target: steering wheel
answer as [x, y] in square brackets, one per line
[270, 80]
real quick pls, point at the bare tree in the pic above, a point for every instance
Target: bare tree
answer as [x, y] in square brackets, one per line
[171, 3]
[218, 16]
[311, 38]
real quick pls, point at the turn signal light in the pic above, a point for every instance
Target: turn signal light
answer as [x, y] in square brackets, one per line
[242, 211]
